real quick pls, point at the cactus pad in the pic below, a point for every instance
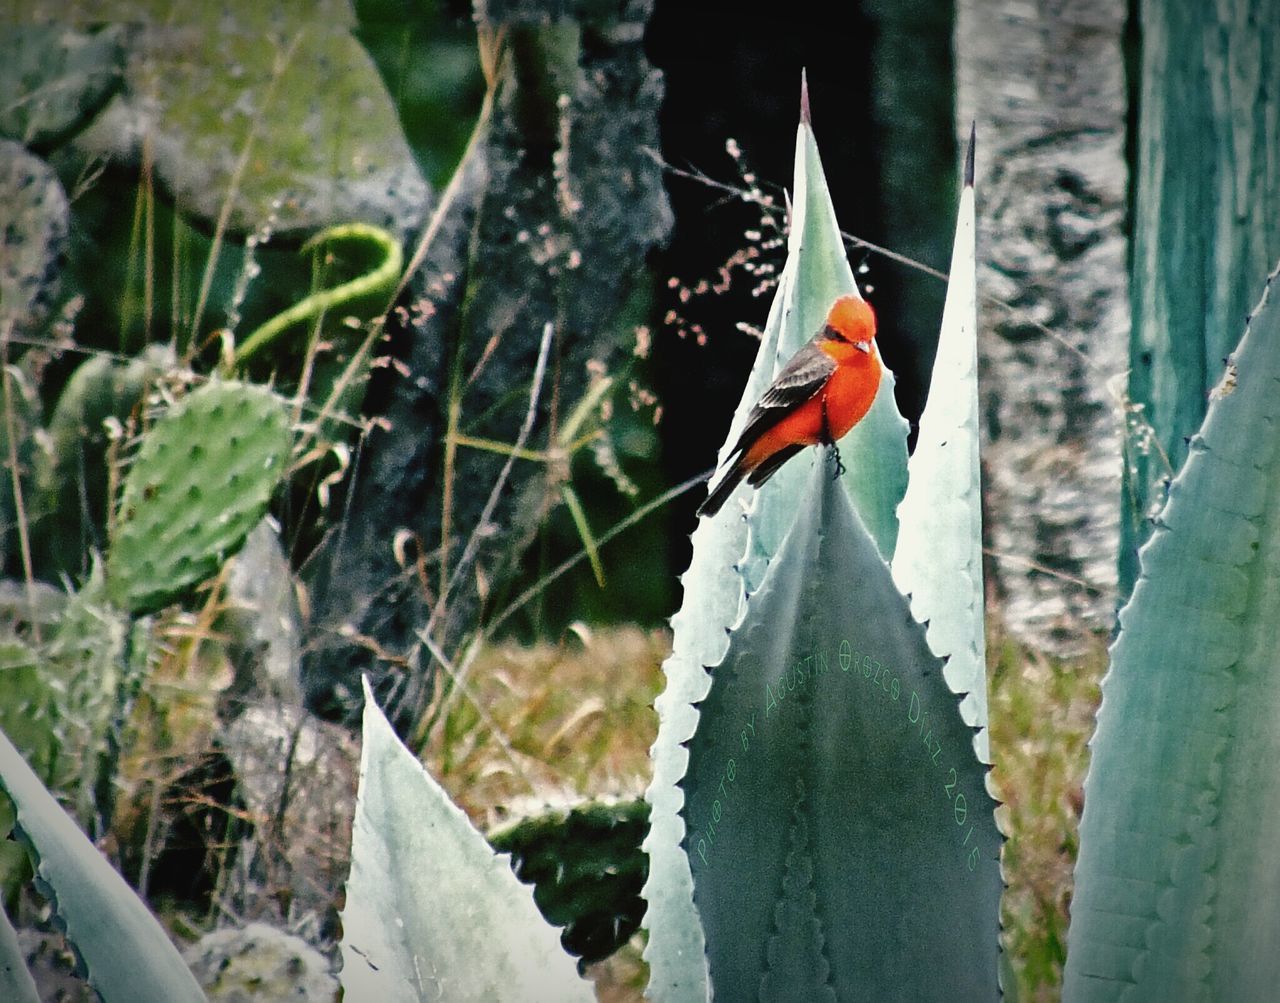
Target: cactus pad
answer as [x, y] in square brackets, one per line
[587, 869]
[25, 712]
[34, 240]
[56, 78]
[71, 496]
[199, 483]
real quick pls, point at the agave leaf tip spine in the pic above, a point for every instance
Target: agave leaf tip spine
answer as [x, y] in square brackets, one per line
[968, 157]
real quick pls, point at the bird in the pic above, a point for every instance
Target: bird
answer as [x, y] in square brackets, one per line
[825, 389]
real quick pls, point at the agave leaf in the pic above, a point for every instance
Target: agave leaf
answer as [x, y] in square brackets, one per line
[124, 952]
[1177, 893]
[875, 452]
[712, 596]
[432, 912]
[938, 560]
[841, 837]
[725, 560]
[16, 983]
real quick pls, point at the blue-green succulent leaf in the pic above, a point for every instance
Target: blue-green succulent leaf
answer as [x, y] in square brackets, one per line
[938, 561]
[1177, 893]
[728, 556]
[124, 953]
[840, 834]
[16, 983]
[432, 913]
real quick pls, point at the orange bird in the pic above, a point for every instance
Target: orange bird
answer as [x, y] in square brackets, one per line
[822, 392]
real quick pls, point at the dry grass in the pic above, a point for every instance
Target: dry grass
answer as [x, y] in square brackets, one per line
[1042, 713]
[578, 720]
[573, 719]
[561, 721]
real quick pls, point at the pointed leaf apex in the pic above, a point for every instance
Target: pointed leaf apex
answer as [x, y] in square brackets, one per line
[804, 97]
[968, 157]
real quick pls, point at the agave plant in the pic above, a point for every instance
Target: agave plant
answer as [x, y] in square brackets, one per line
[1177, 878]
[200, 481]
[820, 821]
[819, 811]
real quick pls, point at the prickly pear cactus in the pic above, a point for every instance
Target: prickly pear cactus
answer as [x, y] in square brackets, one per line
[26, 713]
[199, 483]
[34, 238]
[91, 666]
[587, 869]
[71, 499]
[25, 718]
[64, 698]
[55, 78]
[64, 701]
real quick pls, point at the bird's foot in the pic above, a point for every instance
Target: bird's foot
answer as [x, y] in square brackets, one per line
[838, 464]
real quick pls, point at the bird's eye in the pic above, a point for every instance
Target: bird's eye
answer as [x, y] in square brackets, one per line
[836, 334]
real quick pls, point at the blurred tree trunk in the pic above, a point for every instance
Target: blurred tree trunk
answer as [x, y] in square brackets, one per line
[557, 205]
[1045, 82]
[1206, 223]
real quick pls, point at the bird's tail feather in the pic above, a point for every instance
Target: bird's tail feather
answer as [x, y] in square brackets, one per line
[756, 476]
[720, 493]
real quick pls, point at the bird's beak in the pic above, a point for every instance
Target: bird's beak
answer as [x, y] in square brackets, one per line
[862, 346]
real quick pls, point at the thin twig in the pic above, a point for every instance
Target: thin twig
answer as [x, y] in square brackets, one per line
[149, 841]
[473, 542]
[447, 197]
[148, 238]
[419, 255]
[452, 418]
[15, 478]
[448, 694]
[1047, 571]
[534, 590]
[503, 448]
[460, 686]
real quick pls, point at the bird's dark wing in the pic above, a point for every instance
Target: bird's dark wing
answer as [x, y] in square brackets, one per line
[804, 375]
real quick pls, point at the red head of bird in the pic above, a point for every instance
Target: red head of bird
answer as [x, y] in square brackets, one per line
[851, 320]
